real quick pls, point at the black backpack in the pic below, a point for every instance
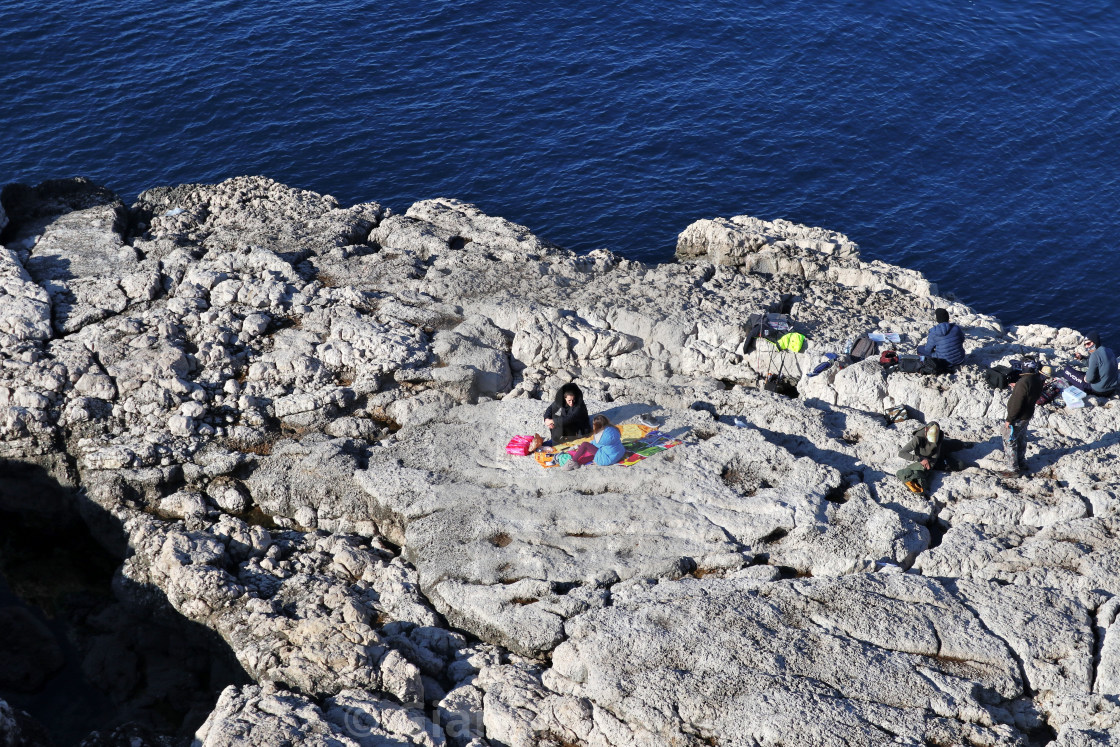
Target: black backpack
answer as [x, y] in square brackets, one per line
[863, 347]
[1001, 377]
[761, 329]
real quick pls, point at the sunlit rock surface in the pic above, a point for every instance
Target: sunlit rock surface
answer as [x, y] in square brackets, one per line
[287, 418]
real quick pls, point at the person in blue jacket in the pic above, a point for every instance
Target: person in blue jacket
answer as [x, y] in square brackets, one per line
[604, 449]
[944, 343]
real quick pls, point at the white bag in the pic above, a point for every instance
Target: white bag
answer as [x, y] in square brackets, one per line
[1073, 397]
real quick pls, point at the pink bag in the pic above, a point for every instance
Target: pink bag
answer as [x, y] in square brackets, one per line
[519, 445]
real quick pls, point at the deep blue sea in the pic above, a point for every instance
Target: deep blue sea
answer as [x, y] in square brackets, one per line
[974, 141]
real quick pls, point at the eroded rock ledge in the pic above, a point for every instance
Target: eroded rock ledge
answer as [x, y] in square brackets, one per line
[287, 417]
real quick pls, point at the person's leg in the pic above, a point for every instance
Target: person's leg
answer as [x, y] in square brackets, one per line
[584, 453]
[1076, 378]
[914, 476]
[1021, 446]
[1008, 434]
[948, 462]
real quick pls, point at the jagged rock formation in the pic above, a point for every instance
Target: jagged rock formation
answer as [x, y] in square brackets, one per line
[287, 418]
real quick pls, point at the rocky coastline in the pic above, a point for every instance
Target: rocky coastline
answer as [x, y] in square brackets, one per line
[284, 421]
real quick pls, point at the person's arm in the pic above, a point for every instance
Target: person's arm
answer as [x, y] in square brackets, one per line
[926, 349]
[933, 340]
[1095, 372]
[910, 450]
[935, 455]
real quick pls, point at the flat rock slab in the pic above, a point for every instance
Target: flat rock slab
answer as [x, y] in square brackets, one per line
[509, 550]
[864, 659]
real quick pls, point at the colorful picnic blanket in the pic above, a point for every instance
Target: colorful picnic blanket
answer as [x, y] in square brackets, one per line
[641, 441]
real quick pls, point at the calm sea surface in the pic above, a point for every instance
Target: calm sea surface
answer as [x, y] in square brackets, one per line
[976, 142]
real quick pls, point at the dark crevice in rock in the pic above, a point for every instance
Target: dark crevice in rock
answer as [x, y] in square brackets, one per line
[937, 527]
[119, 662]
[838, 494]
[786, 572]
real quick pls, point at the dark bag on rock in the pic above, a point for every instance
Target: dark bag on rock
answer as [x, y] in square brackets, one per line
[915, 364]
[1074, 377]
[863, 348]
[761, 329]
[1001, 377]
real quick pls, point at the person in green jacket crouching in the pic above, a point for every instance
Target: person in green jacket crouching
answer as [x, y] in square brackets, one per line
[928, 449]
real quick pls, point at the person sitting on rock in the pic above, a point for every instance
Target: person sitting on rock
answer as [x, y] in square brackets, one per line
[567, 417]
[926, 450]
[604, 449]
[1100, 377]
[944, 343]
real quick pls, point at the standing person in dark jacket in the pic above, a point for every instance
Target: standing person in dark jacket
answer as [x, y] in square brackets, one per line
[567, 416]
[944, 343]
[1020, 409]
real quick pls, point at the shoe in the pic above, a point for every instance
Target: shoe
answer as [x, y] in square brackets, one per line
[915, 486]
[570, 465]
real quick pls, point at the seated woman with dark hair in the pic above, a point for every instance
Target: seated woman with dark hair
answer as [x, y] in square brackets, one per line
[604, 449]
[567, 417]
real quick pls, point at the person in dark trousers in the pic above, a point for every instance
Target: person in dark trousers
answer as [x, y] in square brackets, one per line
[567, 416]
[1101, 377]
[944, 343]
[1020, 409]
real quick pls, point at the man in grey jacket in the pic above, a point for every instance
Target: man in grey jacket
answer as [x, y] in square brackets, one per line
[1100, 376]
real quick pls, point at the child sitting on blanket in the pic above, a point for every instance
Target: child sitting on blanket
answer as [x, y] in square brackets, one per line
[604, 448]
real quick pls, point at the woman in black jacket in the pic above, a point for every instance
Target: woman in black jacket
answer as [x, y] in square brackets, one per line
[567, 416]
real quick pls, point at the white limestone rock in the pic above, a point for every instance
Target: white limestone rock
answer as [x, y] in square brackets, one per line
[470, 224]
[862, 658]
[316, 474]
[25, 307]
[1080, 556]
[267, 715]
[17, 729]
[246, 361]
[510, 552]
